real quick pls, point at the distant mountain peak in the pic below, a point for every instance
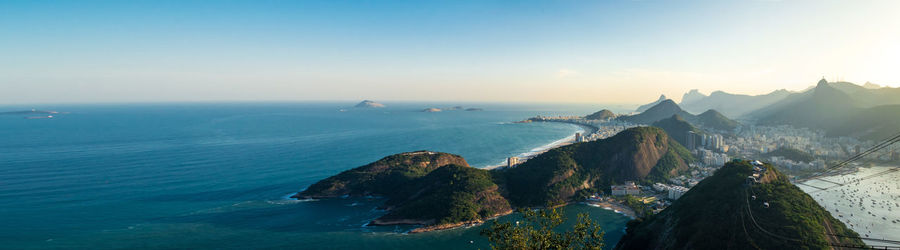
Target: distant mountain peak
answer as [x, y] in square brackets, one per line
[870, 85]
[644, 107]
[692, 96]
[821, 82]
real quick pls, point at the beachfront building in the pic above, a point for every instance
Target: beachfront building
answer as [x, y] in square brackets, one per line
[676, 192]
[629, 188]
[578, 137]
[512, 161]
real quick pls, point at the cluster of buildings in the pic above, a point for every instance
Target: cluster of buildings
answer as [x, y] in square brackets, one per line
[756, 140]
[673, 191]
[709, 158]
[628, 189]
[714, 142]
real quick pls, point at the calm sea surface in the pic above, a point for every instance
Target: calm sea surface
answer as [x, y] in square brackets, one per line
[217, 175]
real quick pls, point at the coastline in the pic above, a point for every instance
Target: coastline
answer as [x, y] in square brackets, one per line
[619, 208]
[565, 141]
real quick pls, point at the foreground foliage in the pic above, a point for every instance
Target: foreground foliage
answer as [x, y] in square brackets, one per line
[541, 230]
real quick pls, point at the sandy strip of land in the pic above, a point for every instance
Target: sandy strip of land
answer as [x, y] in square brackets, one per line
[615, 206]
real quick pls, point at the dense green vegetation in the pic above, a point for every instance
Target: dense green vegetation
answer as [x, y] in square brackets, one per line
[637, 205]
[601, 115]
[715, 120]
[562, 174]
[714, 215]
[448, 194]
[791, 154]
[541, 230]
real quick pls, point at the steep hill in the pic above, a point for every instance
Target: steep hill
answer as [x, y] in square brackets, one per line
[692, 96]
[716, 214]
[647, 106]
[663, 110]
[636, 154]
[731, 105]
[601, 115]
[715, 120]
[677, 128]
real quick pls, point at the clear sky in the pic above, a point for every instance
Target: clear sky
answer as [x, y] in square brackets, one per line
[548, 51]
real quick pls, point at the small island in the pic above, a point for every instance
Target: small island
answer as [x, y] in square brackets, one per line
[432, 110]
[369, 104]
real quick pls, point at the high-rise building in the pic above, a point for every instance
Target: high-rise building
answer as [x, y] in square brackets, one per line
[512, 161]
[691, 140]
[578, 137]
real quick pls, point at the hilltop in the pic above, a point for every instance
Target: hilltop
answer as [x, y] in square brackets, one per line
[647, 106]
[440, 190]
[601, 115]
[664, 109]
[715, 120]
[716, 214]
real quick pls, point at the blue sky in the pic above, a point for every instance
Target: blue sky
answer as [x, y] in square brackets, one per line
[553, 51]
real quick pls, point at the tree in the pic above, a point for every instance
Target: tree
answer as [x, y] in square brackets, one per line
[540, 230]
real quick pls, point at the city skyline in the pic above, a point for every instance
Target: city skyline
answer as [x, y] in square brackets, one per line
[626, 52]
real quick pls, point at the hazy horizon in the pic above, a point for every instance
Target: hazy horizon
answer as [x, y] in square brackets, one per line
[619, 52]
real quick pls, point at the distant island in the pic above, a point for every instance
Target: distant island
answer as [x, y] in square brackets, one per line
[369, 104]
[432, 110]
[474, 109]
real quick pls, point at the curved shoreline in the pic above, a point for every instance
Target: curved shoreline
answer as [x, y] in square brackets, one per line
[568, 140]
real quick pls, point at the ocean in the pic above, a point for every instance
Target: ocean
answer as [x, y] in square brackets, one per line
[868, 202]
[217, 175]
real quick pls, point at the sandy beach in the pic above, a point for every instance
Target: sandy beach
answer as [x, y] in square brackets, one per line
[615, 206]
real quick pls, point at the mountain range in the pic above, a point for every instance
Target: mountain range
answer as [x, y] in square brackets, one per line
[839, 108]
[731, 105]
[711, 119]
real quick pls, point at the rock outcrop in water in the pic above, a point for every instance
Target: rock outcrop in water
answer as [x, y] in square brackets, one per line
[441, 190]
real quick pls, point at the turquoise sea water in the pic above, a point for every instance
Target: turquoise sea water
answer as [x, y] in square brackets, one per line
[217, 175]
